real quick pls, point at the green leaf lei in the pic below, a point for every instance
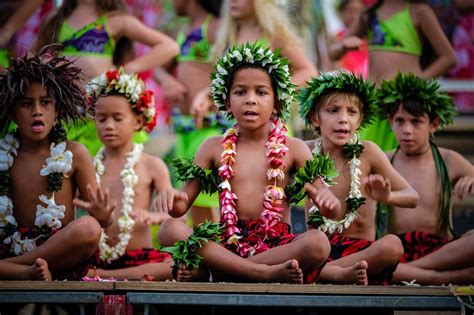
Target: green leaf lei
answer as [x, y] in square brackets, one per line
[320, 166]
[187, 170]
[184, 251]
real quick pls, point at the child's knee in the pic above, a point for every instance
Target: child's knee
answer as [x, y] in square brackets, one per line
[317, 245]
[171, 231]
[390, 249]
[87, 230]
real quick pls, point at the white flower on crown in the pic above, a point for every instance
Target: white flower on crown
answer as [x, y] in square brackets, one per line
[248, 55]
[236, 54]
[221, 70]
[59, 162]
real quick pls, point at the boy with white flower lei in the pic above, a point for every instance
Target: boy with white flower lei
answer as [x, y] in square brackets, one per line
[416, 109]
[40, 94]
[336, 105]
[123, 106]
[254, 160]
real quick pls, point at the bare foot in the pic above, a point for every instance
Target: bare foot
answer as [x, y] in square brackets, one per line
[188, 274]
[41, 270]
[355, 274]
[287, 272]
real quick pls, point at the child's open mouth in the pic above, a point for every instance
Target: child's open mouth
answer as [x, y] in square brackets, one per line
[37, 126]
[341, 132]
[250, 114]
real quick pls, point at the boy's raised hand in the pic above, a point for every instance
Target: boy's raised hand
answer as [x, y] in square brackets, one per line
[165, 200]
[98, 205]
[463, 187]
[377, 187]
[328, 204]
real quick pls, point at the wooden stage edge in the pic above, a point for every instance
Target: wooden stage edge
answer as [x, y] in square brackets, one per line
[227, 287]
[221, 296]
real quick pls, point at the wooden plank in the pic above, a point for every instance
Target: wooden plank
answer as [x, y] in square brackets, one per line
[55, 286]
[281, 288]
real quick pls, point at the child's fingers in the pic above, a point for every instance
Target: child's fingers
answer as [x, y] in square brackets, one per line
[90, 193]
[80, 203]
[170, 201]
[99, 195]
[311, 191]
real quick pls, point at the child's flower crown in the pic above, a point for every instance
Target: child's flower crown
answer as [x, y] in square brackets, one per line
[340, 82]
[406, 87]
[253, 54]
[128, 85]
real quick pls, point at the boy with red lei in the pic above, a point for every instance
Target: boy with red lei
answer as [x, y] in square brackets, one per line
[337, 105]
[415, 109]
[254, 160]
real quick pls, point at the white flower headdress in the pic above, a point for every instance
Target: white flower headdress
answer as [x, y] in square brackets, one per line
[254, 55]
[128, 85]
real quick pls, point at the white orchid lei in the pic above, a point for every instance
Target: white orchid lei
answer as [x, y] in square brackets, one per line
[253, 54]
[274, 195]
[128, 85]
[129, 179]
[47, 218]
[352, 151]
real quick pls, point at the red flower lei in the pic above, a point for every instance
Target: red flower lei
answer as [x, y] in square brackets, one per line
[273, 196]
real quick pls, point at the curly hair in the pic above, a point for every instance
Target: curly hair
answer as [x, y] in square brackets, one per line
[56, 73]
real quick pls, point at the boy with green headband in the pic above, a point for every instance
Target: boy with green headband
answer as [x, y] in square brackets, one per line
[337, 105]
[250, 166]
[415, 109]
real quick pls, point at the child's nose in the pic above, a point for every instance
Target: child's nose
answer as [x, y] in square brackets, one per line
[37, 109]
[250, 101]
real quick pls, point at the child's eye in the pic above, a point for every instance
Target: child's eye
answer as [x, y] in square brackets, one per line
[262, 92]
[399, 120]
[46, 101]
[239, 92]
[25, 103]
[353, 111]
[332, 109]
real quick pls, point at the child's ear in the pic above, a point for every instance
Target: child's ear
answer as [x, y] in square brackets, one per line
[139, 121]
[434, 125]
[314, 120]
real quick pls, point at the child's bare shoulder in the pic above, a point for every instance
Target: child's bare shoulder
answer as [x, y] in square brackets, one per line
[373, 153]
[152, 162]
[371, 147]
[211, 144]
[78, 150]
[452, 158]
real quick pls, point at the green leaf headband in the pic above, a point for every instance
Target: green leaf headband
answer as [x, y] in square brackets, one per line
[337, 81]
[408, 86]
[253, 54]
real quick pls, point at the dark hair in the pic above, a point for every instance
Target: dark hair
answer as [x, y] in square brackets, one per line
[49, 31]
[247, 65]
[413, 106]
[211, 6]
[57, 74]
